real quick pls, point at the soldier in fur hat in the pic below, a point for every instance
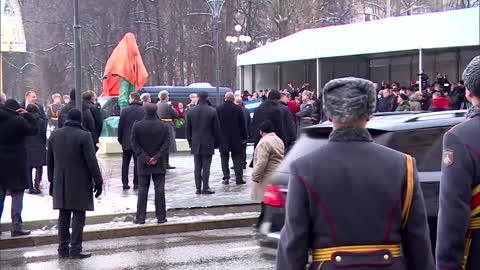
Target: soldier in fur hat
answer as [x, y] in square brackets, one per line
[340, 206]
[458, 245]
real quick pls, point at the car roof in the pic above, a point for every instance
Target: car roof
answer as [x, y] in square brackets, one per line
[398, 121]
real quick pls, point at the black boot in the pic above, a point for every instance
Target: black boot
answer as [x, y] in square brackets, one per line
[81, 255]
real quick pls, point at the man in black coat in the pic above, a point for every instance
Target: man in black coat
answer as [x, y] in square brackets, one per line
[87, 118]
[31, 98]
[246, 116]
[150, 142]
[128, 116]
[388, 101]
[203, 135]
[233, 136]
[270, 110]
[15, 125]
[90, 100]
[290, 129]
[73, 173]
[36, 146]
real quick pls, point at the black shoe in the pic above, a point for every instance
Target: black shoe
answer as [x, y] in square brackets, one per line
[208, 192]
[20, 233]
[63, 254]
[226, 182]
[170, 167]
[244, 167]
[135, 187]
[81, 255]
[232, 168]
[198, 192]
[136, 221]
[162, 221]
[241, 182]
[126, 187]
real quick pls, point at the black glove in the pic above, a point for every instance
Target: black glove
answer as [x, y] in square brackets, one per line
[98, 190]
[50, 189]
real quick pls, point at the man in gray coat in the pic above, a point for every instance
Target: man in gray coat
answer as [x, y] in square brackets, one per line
[73, 173]
[150, 154]
[340, 206]
[167, 114]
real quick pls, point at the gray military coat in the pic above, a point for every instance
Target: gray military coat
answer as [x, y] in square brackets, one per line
[72, 168]
[341, 195]
[458, 203]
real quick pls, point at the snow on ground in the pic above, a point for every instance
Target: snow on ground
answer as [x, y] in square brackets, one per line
[125, 222]
[179, 190]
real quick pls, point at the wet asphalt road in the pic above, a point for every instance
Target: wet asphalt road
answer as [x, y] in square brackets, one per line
[216, 249]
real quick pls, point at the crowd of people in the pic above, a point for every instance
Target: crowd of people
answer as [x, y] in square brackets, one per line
[439, 96]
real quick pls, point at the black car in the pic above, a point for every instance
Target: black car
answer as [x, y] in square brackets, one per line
[419, 134]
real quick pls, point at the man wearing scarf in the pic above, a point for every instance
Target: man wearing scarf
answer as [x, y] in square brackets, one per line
[458, 244]
[74, 175]
[344, 208]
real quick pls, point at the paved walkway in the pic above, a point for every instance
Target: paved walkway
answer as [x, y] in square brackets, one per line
[179, 188]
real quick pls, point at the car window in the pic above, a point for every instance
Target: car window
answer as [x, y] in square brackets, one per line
[425, 145]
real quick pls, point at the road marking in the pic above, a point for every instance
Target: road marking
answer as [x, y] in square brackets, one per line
[242, 249]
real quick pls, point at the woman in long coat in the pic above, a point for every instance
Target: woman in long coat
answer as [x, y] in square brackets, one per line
[268, 156]
[36, 149]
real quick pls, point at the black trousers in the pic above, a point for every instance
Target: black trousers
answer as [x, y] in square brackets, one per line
[70, 243]
[159, 185]
[262, 215]
[244, 155]
[202, 171]
[126, 157]
[17, 206]
[38, 176]
[237, 165]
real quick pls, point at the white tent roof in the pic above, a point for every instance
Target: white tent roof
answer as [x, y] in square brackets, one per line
[458, 28]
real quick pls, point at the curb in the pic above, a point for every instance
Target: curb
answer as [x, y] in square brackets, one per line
[136, 230]
[129, 216]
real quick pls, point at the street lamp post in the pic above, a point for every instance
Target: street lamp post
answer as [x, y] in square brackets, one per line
[238, 38]
[78, 71]
[216, 8]
[239, 42]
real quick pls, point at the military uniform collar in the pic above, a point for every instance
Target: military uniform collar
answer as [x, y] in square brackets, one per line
[474, 111]
[350, 134]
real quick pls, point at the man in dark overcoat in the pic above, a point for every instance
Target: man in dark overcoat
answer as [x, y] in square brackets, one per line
[128, 116]
[270, 110]
[150, 142]
[36, 146]
[31, 98]
[458, 233]
[203, 135]
[15, 125]
[87, 119]
[246, 116]
[233, 135]
[73, 173]
[346, 210]
[90, 100]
